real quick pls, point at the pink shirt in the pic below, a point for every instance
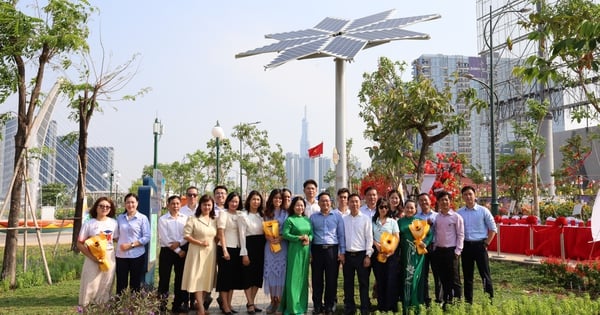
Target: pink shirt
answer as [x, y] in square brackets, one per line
[449, 231]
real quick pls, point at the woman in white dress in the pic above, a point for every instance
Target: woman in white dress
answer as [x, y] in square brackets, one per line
[96, 285]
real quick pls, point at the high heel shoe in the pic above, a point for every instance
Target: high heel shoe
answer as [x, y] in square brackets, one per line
[250, 309]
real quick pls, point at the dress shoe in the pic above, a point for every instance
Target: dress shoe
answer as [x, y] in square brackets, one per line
[207, 302]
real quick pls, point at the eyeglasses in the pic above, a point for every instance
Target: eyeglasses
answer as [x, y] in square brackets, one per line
[192, 195]
[384, 207]
[104, 206]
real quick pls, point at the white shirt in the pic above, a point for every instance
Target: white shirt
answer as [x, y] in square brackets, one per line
[359, 233]
[187, 211]
[170, 229]
[311, 208]
[229, 223]
[250, 224]
[367, 211]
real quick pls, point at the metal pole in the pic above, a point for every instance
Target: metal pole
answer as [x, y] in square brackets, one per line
[112, 174]
[217, 182]
[156, 122]
[341, 178]
[492, 131]
[241, 183]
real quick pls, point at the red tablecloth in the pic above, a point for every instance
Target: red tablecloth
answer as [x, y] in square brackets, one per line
[546, 241]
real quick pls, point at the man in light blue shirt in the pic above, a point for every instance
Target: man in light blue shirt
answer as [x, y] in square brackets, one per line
[480, 229]
[327, 250]
[429, 215]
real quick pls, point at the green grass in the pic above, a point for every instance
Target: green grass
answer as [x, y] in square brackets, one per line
[519, 289]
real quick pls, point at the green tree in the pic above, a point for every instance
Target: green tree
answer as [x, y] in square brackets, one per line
[575, 151]
[54, 194]
[528, 137]
[513, 174]
[263, 165]
[84, 101]
[396, 112]
[571, 29]
[32, 42]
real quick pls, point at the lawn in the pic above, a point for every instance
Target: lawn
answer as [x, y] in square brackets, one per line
[515, 284]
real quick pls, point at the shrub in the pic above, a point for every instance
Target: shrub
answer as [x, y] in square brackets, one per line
[145, 301]
[578, 276]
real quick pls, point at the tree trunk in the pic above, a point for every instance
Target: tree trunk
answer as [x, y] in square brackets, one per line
[9, 262]
[82, 157]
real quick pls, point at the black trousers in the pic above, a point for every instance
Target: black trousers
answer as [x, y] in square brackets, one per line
[476, 253]
[427, 263]
[169, 260]
[445, 263]
[131, 269]
[325, 270]
[386, 276]
[354, 265]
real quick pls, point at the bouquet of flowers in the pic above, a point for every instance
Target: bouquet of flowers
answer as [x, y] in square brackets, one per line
[97, 246]
[419, 230]
[388, 242]
[271, 229]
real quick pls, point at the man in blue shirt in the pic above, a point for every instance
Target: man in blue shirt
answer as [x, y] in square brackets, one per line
[327, 250]
[480, 229]
[429, 215]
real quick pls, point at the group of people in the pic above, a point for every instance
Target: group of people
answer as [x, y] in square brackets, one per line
[215, 242]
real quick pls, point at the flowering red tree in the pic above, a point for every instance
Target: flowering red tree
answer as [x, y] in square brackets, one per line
[378, 181]
[448, 170]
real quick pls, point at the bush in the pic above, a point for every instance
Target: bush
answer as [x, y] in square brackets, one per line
[145, 301]
[578, 276]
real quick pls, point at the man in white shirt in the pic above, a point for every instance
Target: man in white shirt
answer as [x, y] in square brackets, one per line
[310, 196]
[220, 194]
[172, 256]
[359, 248]
[191, 201]
[369, 208]
[342, 202]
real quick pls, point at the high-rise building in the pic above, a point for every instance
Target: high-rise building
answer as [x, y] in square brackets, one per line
[299, 167]
[441, 70]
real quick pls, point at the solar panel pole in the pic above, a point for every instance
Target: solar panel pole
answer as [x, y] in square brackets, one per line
[341, 177]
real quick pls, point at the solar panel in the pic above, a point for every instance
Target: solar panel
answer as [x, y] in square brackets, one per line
[344, 47]
[339, 38]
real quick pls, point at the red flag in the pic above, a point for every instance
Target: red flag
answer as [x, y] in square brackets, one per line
[315, 151]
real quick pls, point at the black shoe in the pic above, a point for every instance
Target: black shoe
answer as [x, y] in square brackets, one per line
[207, 302]
[234, 311]
[181, 309]
[220, 302]
[256, 309]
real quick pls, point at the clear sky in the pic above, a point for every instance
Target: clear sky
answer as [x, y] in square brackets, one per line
[187, 51]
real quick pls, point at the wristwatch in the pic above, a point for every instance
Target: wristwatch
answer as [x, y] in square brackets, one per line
[132, 244]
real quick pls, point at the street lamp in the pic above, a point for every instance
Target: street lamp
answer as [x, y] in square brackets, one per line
[157, 130]
[111, 176]
[490, 87]
[217, 133]
[241, 154]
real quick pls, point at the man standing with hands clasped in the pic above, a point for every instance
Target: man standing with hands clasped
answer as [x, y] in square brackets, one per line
[172, 256]
[480, 229]
[450, 235]
[359, 248]
[327, 249]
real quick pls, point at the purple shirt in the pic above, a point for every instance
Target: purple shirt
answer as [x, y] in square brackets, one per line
[449, 231]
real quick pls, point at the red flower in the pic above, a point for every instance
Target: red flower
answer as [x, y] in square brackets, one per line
[531, 220]
[560, 221]
[498, 218]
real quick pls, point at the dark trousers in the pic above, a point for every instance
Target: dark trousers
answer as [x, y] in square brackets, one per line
[386, 276]
[354, 264]
[169, 260]
[436, 278]
[325, 269]
[476, 253]
[131, 269]
[445, 264]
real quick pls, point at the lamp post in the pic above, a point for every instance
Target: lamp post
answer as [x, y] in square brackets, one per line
[241, 155]
[217, 133]
[157, 130]
[111, 177]
[490, 44]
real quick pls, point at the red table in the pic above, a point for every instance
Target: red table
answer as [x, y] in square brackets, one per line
[546, 241]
